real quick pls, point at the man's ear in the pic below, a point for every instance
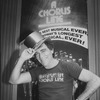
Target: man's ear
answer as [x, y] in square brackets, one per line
[52, 51]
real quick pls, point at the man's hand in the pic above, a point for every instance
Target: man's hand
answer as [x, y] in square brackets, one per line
[28, 53]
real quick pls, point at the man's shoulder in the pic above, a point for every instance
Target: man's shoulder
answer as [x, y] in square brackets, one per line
[67, 62]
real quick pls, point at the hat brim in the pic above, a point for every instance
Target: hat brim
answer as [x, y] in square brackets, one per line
[40, 43]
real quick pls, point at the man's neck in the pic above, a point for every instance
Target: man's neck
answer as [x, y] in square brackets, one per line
[53, 63]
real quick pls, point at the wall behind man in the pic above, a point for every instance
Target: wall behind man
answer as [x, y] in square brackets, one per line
[10, 25]
[94, 40]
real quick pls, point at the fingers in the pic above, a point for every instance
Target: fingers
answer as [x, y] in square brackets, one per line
[31, 51]
[28, 53]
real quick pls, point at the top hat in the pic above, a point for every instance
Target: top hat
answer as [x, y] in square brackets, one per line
[34, 40]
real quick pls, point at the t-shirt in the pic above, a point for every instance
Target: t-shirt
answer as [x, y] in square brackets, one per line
[56, 83]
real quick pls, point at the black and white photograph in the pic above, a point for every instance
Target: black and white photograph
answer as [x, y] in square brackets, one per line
[50, 50]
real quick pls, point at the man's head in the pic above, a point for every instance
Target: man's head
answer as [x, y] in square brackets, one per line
[43, 47]
[44, 54]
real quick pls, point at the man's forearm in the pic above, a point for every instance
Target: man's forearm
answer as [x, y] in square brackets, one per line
[16, 71]
[91, 87]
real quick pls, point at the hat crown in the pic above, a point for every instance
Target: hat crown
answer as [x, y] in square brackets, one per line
[33, 39]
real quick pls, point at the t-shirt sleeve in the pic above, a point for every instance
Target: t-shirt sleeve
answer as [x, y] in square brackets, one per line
[74, 69]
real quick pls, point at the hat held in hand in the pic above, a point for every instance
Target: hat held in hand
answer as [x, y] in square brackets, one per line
[34, 40]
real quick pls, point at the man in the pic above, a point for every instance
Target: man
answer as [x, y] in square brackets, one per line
[55, 78]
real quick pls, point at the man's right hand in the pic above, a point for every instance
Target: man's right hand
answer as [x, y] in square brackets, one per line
[28, 53]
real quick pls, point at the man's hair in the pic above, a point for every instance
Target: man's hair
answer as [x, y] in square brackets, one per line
[49, 44]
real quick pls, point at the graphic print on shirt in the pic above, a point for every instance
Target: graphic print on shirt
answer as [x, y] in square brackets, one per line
[51, 77]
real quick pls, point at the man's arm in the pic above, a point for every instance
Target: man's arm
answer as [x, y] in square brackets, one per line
[93, 83]
[16, 76]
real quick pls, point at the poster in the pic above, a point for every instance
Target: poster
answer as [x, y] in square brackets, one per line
[64, 21]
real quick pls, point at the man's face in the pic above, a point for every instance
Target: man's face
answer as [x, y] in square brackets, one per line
[44, 55]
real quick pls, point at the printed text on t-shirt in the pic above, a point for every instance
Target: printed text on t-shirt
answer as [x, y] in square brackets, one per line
[51, 77]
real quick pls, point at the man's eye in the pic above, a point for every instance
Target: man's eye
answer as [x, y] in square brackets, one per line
[43, 50]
